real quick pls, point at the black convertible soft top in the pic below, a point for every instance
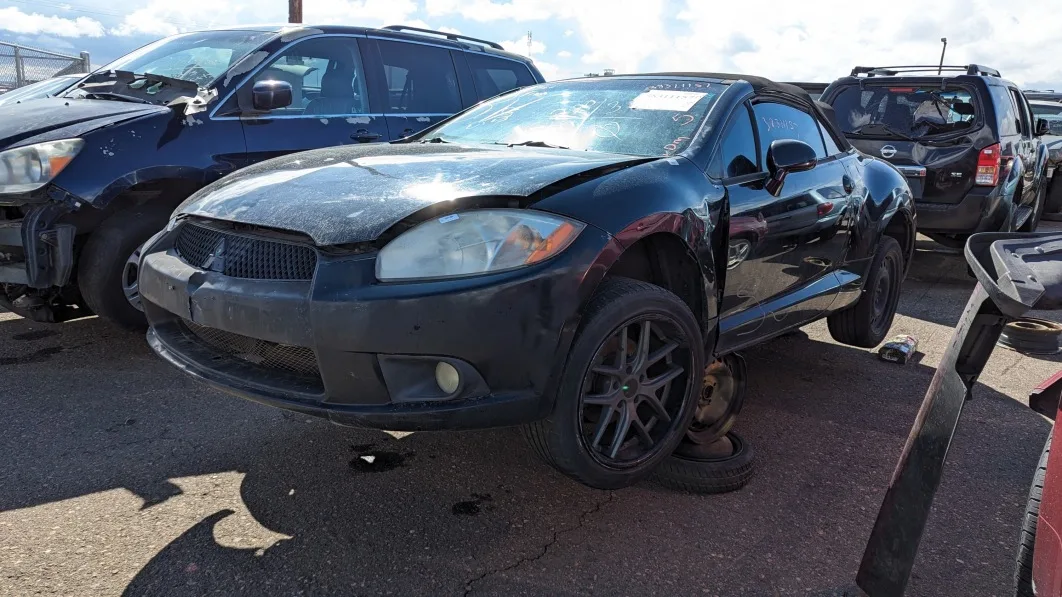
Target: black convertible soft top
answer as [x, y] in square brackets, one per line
[763, 84]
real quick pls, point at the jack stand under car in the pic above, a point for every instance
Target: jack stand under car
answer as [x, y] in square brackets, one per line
[1015, 273]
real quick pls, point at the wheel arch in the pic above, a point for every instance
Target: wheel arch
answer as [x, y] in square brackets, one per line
[665, 257]
[887, 209]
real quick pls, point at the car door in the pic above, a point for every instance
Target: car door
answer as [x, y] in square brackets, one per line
[1027, 146]
[416, 83]
[330, 100]
[784, 278]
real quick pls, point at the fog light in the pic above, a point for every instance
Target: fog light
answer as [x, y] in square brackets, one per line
[447, 377]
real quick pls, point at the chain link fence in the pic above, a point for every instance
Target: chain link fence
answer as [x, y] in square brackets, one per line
[20, 65]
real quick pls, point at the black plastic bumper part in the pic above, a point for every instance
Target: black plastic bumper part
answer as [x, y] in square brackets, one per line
[1015, 273]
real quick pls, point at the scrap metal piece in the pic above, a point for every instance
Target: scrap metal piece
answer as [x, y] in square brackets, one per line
[1016, 273]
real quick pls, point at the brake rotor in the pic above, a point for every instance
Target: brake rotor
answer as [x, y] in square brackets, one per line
[722, 395]
[1032, 336]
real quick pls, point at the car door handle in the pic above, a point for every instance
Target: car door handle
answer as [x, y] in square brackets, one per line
[365, 136]
[847, 184]
[408, 132]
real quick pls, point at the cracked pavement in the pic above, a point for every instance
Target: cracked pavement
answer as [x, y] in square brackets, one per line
[121, 476]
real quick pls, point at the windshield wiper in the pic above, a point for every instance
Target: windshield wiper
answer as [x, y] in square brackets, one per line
[533, 144]
[886, 128]
[120, 96]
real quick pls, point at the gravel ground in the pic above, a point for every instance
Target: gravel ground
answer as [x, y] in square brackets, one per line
[121, 476]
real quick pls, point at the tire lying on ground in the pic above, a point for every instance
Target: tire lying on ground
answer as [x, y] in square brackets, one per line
[1032, 336]
[686, 471]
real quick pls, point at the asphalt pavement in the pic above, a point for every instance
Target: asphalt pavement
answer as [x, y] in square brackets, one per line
[121, 476]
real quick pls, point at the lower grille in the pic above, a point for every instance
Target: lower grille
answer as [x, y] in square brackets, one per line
[262, 353]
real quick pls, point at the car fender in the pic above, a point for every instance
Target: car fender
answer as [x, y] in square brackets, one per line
[669, 196]
[883, 195]
[155, 147]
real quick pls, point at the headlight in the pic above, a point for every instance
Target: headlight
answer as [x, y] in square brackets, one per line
[29, 168]
[1055, 155]
[475, 242]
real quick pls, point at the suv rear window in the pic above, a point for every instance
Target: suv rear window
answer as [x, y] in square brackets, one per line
[904, 110]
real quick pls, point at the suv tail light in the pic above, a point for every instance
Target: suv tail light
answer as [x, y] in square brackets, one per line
[988, 166]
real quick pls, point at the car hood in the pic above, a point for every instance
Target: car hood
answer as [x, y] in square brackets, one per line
[354, 194]
[49, 119]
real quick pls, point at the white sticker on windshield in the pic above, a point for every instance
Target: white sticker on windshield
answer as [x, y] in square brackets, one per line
[449, 218]
[663, 99]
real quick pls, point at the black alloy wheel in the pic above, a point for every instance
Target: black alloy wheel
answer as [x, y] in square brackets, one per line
[630, 398]
[628, 389]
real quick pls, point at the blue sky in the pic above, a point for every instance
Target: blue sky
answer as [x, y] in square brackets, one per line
[816, 41]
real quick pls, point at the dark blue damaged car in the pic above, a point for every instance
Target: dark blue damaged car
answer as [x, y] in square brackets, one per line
[87, 177]
[570, 257]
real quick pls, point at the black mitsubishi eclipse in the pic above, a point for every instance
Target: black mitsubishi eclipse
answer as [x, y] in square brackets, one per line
[557, 257]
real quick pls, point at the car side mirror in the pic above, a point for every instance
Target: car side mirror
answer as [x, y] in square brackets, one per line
[785, 156]
[271, 95]
[1042, 127]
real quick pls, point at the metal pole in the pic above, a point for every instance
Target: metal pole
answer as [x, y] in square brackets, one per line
[942, 50]
[20, 69]
[86, 64]
[294, 11]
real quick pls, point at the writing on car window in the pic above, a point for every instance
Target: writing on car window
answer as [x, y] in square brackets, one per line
[625, 116]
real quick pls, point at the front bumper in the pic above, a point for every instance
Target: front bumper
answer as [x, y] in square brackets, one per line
[375, 346]
[981, 210]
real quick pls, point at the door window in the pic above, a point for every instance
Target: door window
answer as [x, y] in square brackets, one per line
[831, 145]
[326, 76]
[1006, 111]
[1023, 113]
[737, 151]
[420, 79]
[779, 121]
[496, 75]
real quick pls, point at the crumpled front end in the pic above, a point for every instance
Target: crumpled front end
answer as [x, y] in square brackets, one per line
[273, 317]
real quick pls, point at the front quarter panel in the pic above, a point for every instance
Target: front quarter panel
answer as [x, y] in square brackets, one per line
[881, 194]
[165, 145]
[670, 196]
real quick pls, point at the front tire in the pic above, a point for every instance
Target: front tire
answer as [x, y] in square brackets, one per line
[629, 387]
[104, 264]
[866, 323]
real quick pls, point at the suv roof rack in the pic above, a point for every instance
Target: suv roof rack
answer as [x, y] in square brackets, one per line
[970, 69]
[450, 36]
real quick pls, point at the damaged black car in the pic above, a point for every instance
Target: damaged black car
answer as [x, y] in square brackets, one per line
[87, 177]
[557, 257]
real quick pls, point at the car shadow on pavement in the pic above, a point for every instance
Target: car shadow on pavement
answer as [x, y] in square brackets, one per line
[458, 513]
[474, 512]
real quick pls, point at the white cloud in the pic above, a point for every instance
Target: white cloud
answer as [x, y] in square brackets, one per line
[13, 19]
[569, 33]
[564, 54]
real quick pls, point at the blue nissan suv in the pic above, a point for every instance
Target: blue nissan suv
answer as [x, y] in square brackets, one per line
[88, 176]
